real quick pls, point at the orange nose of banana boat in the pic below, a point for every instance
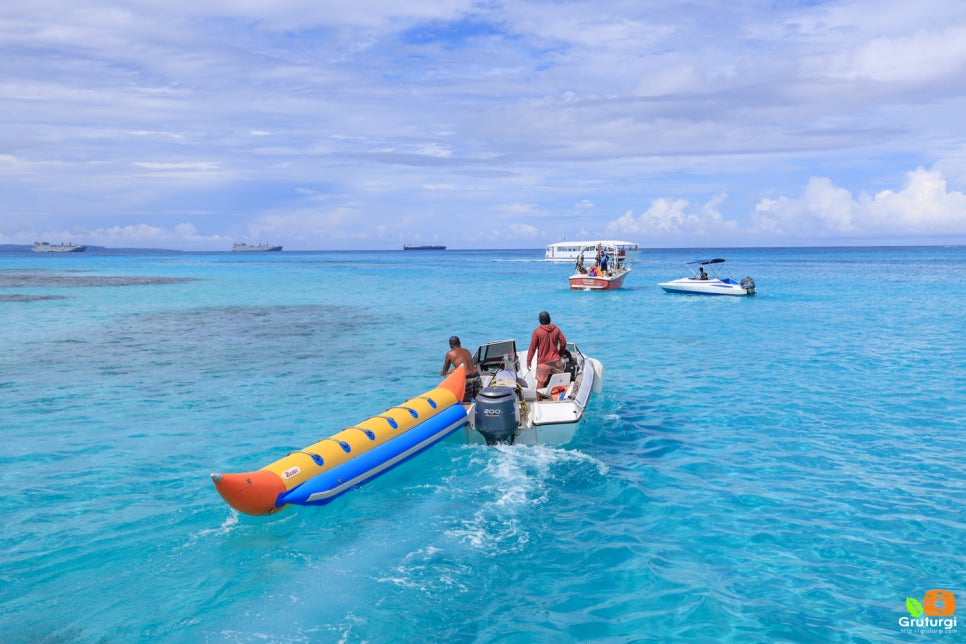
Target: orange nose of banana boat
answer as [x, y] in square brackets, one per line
[252, 493]
[456, 383]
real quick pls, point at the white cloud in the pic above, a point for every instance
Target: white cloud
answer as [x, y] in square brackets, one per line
[524, 230]
[180, 236]
[822, 207]
[675, 219]
[430, 114]
[309, 226]
[922, 206]
[197, 165]
[922, 57]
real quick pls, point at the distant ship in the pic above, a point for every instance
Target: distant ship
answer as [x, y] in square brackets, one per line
[422, 247]
[255, 248]
[44, 247]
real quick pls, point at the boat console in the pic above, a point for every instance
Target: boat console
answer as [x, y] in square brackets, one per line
[495, 356]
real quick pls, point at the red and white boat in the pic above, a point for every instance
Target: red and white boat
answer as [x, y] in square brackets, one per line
[605, 273]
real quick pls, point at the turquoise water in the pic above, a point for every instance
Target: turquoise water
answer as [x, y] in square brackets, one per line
[786, 467]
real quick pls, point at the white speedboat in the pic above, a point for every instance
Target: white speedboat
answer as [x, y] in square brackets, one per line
[511, 410]
[569, 251]
[242, 247]
[600, 275]
[700, 283]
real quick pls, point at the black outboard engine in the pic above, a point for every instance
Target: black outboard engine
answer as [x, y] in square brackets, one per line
[749, 285]
[497, 415]
[569, 364]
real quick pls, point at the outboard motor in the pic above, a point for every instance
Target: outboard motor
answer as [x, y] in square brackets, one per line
[497, 415]
[749, 285]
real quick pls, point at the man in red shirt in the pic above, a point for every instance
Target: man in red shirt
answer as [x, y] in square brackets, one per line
[548, 342]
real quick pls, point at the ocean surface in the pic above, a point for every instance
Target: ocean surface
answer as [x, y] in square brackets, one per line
[787, 467]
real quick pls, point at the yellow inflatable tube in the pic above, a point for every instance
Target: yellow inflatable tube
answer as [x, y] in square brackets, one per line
[326, 469]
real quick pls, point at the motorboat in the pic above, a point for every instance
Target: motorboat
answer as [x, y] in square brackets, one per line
[700, 283]
[242, 247]
[599, 276]
[509, 409]
[569, 251]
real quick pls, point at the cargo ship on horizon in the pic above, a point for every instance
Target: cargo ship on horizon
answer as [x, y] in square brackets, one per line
[422, 247]
[44, 247]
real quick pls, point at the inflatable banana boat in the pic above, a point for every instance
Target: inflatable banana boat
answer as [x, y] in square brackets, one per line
[331, 467]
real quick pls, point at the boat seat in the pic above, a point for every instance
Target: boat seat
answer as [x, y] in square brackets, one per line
[556, 380]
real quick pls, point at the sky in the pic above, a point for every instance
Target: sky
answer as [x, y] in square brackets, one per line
[496, 124]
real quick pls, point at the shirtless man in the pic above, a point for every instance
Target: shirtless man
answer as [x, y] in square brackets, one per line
[457, 356]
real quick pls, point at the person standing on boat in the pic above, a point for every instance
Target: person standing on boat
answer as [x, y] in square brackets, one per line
[457, 356]
[549, 343]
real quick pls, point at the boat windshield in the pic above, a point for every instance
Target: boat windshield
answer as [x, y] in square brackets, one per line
[495, 355]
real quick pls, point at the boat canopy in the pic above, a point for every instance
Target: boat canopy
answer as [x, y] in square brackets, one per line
[603, 242]
[704, 262]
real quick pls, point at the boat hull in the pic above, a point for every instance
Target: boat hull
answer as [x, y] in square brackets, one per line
[581, 282]
[547, 422]
[556, 434]
[58, 248]
[331, 467]
[704, 287]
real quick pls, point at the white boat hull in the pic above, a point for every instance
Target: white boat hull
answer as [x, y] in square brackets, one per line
[705, 287]
[545, 422]
[558, 434]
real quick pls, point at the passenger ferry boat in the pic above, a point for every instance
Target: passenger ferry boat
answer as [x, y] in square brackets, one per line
[569, 251]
